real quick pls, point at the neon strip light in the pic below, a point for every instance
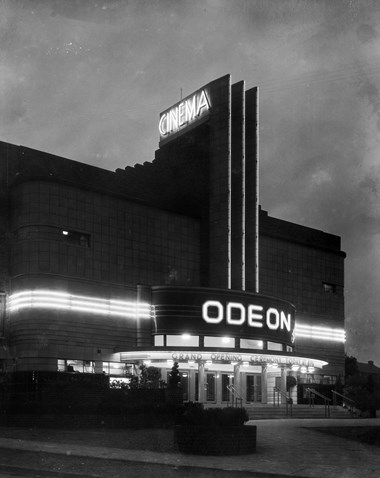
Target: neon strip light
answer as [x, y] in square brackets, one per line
[320, 333]
[45, 299]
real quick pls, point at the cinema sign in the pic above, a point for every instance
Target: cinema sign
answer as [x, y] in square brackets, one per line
[219, 312]
[184, 113]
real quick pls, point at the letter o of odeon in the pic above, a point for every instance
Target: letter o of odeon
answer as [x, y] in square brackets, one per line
[270, 312]
[236, 306]
[218, 306]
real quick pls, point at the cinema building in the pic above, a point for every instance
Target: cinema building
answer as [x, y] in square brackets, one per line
[171, 260]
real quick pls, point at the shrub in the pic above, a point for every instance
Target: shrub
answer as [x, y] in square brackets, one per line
[213, 417]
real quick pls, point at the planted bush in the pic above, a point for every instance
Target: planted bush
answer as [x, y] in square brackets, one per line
[214, 417]
[214, 431]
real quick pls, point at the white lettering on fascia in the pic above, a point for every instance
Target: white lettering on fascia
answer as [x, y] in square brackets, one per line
[235, 306]
[272, 319]
[205, 312]
[184, 113]
[254, 318]
[285, 321]
[237, 314]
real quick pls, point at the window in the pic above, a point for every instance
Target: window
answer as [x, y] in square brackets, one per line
[274, 346]
[77, 238]
[183, 340]
[251, 344]
[329, 288]
[158, 340]
[41, 232]
[220, 342]
[78, 366]
[114, 368]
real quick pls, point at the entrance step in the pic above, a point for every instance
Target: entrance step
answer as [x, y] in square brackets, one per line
[266, 412]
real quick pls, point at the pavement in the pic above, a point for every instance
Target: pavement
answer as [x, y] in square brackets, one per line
[284, 447]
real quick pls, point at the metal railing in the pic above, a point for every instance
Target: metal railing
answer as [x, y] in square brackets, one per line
[313, 394]
[351, 404]
[236, 399]
[287, 399]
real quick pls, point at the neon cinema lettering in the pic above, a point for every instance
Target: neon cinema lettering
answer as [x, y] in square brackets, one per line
[184, 113]
[213, 312]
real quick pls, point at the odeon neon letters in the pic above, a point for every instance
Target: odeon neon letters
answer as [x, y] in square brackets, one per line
[235, 313]
[184, 113]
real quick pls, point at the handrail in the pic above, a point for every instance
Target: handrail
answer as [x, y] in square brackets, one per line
[352, 403]
[288, 400]
[312, 394]
[236, 398]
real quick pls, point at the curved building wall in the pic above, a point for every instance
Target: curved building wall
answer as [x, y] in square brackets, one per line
[86, 244]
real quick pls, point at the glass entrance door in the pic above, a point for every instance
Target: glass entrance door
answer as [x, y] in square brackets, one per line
[210, 387]
[253, 387]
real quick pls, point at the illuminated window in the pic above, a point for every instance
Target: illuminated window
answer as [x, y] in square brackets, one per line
[251, 344]
[158, 340]
[184, 340]
[219, 342]
[114, 368]
[76, 366]
[274, 346]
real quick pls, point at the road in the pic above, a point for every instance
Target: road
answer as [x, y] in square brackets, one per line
[25, 464]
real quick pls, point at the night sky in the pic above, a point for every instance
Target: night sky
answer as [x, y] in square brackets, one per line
[87, 79]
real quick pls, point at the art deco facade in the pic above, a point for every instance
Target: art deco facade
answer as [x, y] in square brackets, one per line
[101, 271]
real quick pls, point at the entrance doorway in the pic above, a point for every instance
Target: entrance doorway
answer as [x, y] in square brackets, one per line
[210, 387]
[253, 388]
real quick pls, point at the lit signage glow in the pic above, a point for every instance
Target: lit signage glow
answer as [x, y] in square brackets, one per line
[253, 314]
[222, 313]
[184, 113]
[320, 333]
[45, 299]
[191, 357]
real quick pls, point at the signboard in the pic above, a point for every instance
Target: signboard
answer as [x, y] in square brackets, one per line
[184, 113]
[216, 312]
[224, 357]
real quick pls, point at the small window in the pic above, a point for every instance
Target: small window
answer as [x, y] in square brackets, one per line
[77, 238]
[251, 344]
[184, 340]
[158, 340]
[220, 342]
[329, 288]
[274, 346]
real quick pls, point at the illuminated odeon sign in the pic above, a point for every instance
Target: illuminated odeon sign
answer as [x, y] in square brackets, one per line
[235, 313]
[184, 113]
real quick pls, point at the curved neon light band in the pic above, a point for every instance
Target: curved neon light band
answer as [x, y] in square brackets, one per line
[46, 299]
[320, 333]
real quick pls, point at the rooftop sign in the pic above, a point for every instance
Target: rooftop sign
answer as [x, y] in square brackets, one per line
[184, 113]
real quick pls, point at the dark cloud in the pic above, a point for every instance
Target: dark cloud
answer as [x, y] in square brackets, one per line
[366, 33]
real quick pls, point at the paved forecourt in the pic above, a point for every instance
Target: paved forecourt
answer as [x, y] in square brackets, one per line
[286, 447]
